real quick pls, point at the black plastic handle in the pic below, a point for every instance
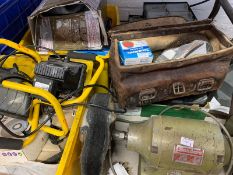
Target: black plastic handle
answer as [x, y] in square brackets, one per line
[85, 56]
[10, 143]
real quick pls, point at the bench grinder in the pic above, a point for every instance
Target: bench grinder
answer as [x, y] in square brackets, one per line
[178, 146]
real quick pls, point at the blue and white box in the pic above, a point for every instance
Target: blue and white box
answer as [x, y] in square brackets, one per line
[135, 52]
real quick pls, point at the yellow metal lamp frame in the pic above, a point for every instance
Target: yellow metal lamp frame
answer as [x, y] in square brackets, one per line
[52, 101]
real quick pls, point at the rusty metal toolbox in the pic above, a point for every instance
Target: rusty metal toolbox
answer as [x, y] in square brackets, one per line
[139, 85]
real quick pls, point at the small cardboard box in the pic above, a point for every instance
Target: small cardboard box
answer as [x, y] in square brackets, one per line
[69, 24]
[135, 52]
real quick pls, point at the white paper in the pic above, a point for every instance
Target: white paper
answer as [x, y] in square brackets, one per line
[215, 105]
[169, 54]
[27, 168]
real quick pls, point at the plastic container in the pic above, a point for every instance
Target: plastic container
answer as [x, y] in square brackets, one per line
[13, 19]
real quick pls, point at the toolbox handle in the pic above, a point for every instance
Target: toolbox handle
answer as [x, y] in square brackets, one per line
[91, 57]
[10, 143]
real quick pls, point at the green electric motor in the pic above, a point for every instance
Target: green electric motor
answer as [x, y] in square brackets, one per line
[176, 146]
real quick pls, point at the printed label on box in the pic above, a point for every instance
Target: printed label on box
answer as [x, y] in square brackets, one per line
[12, 156]
[188, 155]
[135, 52]
[187, 142]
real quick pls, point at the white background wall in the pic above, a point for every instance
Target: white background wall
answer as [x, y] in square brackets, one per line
[134, 7]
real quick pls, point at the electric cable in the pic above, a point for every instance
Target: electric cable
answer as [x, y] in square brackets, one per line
[56, 140]
[110, 161]
[67, 97]
[15, 77]
[101, 86]
[120, 111]
[199, 3]
[4, 58]
[15, 52]
[129, 121]
[87, 86]
[24, 75]
[45, 48]
[228, 172]
[21, 72]
[26, 135]
[22, 53]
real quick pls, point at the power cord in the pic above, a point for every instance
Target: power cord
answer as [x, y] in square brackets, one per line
[45, 48]
[15, 77]
[120, 111]
[15, 52]
[56, 140]
[110, 161]
[20, 72]
[4, 58]
[102, 86]
[87, 86]
[128, 121]
[25, 135]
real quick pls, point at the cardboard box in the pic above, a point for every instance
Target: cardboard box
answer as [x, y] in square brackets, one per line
[135, 52]
[69, 24]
